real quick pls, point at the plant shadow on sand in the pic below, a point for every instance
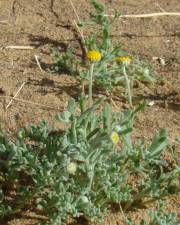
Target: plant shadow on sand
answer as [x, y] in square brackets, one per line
[39, 41]
[33, 218]
[170, 101]
[47, 86]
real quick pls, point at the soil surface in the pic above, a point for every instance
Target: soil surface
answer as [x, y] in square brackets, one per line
[45, 24]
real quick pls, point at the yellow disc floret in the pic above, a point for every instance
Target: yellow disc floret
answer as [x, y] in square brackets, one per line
[124, 59]
[94, 56]
[114, 137]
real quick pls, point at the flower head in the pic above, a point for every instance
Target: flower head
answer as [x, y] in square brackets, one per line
[126, 60]
[94, 56]
[114, 137]
[71, 168]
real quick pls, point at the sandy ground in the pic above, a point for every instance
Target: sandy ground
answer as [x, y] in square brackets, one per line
[45, 24]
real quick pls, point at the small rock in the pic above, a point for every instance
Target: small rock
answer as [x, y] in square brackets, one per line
[162, 61]
[151, 103]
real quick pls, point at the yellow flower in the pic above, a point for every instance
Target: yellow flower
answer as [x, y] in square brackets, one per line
[71, 168]
[124, 59]
[94, 56]
[114, 137]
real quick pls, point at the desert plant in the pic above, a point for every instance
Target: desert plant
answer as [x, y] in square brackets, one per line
[82, 170]
[116, 67]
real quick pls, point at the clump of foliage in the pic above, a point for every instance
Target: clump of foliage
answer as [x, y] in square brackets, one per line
[82, 170]
[109, 72]
[158, 217]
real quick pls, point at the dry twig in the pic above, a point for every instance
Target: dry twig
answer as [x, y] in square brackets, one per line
[148, 15]
[81, 34]
[122, 212]
[76, 25]
[38, 63]
[4, 22]
[15, 94]
[160, 7]
[31, 103]
[19, 47]
[74, 9]
[113, 102]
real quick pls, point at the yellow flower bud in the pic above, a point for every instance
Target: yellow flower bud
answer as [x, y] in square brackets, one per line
[71, 168]
[114, 137]
[126, 60]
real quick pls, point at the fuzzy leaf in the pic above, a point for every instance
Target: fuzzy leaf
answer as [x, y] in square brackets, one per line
[106, 117]
[159, 143]
[64, 116]
[71, 105]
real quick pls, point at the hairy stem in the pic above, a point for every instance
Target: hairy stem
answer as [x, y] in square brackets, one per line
[91, 83]
[127, 85]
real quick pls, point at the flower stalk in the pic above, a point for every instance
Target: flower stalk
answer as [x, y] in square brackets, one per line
[127, 85]
[91, 82]
[93, 56]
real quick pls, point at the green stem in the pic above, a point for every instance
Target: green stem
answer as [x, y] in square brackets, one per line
[74, 134]
[91, 181]
[91, 82]
[127, 85]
